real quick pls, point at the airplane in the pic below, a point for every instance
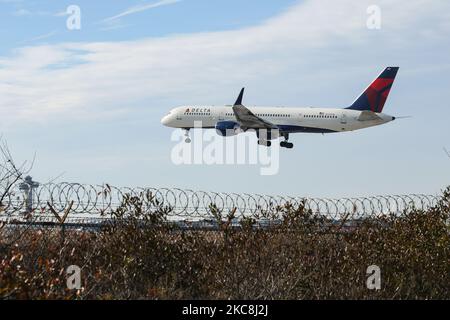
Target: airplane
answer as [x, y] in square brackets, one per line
[271, 123]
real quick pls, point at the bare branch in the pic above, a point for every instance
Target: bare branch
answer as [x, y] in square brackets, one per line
[10, 173]
[447, 152]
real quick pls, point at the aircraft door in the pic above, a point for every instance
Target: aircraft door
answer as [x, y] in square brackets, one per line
[221, 115]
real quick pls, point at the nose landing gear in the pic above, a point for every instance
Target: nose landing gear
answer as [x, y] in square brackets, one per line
[186, 134]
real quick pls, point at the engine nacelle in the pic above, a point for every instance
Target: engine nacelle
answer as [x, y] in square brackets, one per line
[228, 128]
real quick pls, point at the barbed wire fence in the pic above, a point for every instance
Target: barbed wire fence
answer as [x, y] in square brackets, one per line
[36, 222]
[46, 228]
[84, 203]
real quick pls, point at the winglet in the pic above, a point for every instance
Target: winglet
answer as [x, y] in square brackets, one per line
[239, 99]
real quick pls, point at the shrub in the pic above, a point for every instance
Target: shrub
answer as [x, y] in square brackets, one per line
[140, 254]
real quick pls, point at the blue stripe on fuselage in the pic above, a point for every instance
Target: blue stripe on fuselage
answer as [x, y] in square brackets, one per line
[292, 129]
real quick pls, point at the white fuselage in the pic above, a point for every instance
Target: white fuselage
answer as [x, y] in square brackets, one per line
[289, 120]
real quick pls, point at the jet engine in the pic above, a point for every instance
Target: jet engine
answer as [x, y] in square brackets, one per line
[228, 128]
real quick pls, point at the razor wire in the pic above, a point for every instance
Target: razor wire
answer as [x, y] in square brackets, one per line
[95, 201]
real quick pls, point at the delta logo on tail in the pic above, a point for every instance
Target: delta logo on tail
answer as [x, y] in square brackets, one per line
[374, 97]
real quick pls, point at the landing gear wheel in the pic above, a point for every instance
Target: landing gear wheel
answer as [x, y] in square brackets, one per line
[265, 143]
[285, 144]
[186, 134]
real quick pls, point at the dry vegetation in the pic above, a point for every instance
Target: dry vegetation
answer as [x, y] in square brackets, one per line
[140, 255]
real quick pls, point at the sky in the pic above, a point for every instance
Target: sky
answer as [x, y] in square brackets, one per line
[88, 101]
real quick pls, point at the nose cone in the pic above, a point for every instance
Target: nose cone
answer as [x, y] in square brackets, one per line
[165, 120]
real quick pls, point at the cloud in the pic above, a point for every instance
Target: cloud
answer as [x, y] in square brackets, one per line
[141, 8]
[22, 12]
[61, 14]
[42, 36]
[311, 44]
[114, 26]
[25, 12]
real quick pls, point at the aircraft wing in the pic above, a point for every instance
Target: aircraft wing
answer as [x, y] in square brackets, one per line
[368, 115]
[247, 119]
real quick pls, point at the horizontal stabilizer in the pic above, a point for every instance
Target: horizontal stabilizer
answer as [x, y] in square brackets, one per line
[368, 115]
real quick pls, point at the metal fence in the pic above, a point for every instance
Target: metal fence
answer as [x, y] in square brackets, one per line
[91, 202]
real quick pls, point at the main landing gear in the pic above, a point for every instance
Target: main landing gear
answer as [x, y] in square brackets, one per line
[285, 143]
[186, 134]
[265, 143]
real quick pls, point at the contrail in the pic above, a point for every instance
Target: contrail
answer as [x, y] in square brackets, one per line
[141, 8]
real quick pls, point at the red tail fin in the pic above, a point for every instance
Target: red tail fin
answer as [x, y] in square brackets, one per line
[374, 97]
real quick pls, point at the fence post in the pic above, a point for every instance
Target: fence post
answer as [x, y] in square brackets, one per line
[60, 219]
